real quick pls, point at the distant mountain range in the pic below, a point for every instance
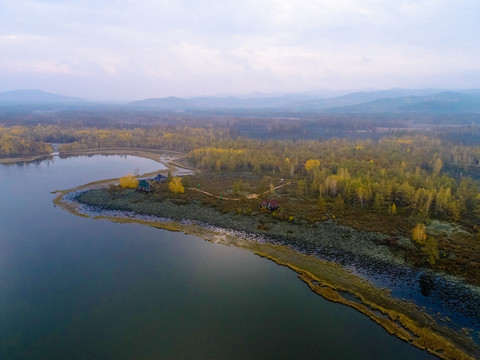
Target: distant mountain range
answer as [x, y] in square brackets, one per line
[214, 102]
[422, 101]
[362, 97]
[432, 101]
[447, 102]
[35, 97]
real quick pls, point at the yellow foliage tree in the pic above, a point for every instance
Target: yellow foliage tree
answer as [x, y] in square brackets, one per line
[393, 209]
[176, 186]
[128, 182]
[418, 234]
[312, 164]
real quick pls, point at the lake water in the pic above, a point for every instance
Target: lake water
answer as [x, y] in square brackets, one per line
[78, 288]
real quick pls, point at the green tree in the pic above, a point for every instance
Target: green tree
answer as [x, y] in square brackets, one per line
[430, 250]
[301, 188]
[187, 181]
[321, 203]
[378, 202]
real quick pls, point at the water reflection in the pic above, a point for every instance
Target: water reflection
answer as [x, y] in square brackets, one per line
[76, 288]
[426, 283]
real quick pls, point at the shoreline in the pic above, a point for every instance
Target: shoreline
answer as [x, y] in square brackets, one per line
[326, 278]
[8, 161]
[159, 156]
[334, 283]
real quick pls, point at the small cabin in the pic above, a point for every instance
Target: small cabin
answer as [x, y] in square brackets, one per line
[269, 204]
[144, 186]
[160, 178]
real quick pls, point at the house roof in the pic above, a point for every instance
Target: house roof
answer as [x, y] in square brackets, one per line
[144, 184]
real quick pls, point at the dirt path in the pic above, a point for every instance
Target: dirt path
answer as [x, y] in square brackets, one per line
[251, 196]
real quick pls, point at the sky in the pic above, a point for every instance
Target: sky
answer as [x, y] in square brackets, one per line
[135, 49]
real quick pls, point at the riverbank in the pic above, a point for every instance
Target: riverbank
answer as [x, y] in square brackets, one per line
[20, 159]
[331, 279]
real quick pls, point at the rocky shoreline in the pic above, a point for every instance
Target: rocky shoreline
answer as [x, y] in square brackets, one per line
[446, 301]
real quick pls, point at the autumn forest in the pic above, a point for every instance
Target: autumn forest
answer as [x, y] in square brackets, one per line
[404, 178]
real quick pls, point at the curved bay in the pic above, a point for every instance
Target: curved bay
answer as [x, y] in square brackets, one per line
[75, 288]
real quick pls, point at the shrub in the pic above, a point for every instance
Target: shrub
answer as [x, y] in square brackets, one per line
[128, 182]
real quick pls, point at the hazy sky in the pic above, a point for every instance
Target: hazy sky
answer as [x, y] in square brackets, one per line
[132, 49]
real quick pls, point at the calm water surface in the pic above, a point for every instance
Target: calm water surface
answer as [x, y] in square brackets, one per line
[76, 288]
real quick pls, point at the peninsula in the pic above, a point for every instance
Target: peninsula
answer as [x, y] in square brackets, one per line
[345, 259]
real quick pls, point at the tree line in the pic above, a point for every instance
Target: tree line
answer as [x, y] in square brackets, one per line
[21, 141]
[419, 174]
[387, 175]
